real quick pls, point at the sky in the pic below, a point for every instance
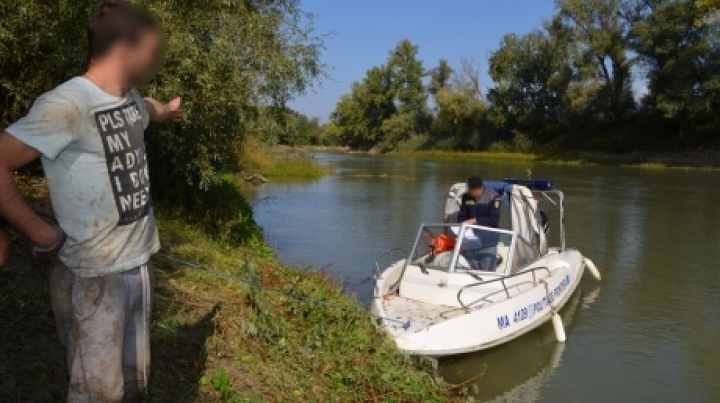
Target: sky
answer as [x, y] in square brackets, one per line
[364, 31]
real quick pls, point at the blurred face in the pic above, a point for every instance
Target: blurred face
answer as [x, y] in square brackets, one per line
[477, 192]
[142, 61]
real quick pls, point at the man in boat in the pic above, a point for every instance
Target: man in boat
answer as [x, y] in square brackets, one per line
[89, 132]
[480, 205]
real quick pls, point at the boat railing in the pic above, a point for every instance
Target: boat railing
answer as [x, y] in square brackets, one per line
[392, 255]
[502, 281]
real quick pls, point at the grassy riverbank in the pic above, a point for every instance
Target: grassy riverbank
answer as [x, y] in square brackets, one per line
[214, 339]
[280, 162]
[699, 159]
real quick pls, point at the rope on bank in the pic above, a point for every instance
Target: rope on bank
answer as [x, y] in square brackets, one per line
[255, 284]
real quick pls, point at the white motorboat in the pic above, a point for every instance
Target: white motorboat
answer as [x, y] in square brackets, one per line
[466, 288]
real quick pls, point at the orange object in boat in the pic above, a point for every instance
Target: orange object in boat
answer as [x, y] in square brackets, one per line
[442, 243]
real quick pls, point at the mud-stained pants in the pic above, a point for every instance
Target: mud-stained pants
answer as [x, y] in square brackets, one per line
[105, 323]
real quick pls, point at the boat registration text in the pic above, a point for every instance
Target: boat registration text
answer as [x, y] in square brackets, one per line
[528, 312]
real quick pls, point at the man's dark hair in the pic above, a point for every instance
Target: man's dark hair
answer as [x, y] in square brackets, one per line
[474, 182]
[117, 21]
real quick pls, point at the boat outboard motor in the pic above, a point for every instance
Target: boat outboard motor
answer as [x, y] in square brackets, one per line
[545, 223]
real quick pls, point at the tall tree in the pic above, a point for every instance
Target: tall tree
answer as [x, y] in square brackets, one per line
[467, 78]
[407, 75]
[682, 60]
[459, 114]
[389, 105]
[460, 110]
[359, 116]
[600, 32]
[532, 74]
[440, 76]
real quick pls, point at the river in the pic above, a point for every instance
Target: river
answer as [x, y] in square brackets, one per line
[650, 331]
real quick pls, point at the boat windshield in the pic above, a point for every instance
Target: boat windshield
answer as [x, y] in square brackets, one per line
[483, 249]
[523, 255]
[434, 247]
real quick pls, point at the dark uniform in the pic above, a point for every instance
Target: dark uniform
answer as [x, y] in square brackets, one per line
[485, 209]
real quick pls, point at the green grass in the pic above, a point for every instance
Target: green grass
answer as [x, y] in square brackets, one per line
[217, 340]
[470, 155]
[264, 345]
[560, 158]
[280, 163]
[293, 166]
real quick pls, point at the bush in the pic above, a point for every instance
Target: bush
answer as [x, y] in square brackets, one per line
[415, 143]
[500, 147]
[258, 157]
[522, 143]
[221, 211]
[231, 61]
[235, 62]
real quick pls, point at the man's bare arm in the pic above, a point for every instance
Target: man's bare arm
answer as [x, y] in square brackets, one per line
[13, 207]
[160, 112]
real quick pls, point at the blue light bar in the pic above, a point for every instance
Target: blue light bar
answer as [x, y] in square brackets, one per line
[533, 184]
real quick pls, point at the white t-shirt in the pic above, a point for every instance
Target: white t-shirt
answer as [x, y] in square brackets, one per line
[93, 153]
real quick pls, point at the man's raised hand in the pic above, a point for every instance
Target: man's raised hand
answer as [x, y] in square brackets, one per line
[175, 111]
[160, 112]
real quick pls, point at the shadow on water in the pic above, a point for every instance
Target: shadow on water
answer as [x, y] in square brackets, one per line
[517, 371]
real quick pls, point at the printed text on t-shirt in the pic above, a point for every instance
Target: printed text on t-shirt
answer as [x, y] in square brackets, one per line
[121, 130]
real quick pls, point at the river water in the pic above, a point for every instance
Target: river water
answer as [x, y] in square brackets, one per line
[650, 331]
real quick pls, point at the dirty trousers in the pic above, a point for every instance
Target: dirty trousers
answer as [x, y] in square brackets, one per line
[104, 323]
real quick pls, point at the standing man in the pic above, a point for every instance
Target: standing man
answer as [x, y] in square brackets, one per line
[479, 205]
[89, 133]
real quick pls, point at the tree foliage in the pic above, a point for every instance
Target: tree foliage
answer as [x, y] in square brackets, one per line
[360, 114]
[298, 129]
[682, 60]
[460, 108]
[440, 76]
[235, 63]
[389, 105]
[576, 77]
[600, 33]
[407, 78]
[531, 80]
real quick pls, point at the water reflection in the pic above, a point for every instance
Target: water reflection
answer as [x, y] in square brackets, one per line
[517, 371]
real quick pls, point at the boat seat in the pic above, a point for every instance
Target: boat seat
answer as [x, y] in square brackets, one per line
[441, 288]
[481, 259]
[429, 288]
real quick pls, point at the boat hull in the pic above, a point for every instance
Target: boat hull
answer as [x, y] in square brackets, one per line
[491, 324]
